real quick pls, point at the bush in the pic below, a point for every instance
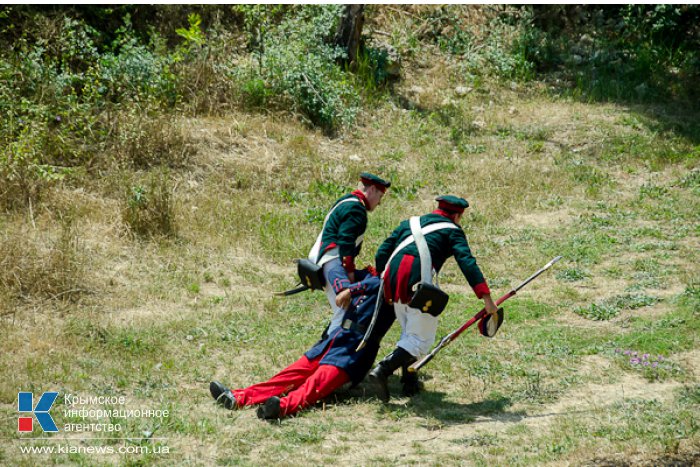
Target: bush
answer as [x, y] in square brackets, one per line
[376, 67]
[490, 46]
[634, 52]
[148, 210]
[299, 69]
[23, 176]
[203, 66]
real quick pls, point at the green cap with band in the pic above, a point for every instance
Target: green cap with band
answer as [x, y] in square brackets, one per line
[452, 203]
[371, 179]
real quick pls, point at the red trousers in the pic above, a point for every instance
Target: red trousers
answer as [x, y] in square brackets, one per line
[304, 382]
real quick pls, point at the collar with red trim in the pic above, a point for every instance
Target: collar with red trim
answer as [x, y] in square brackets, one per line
[362, 197]
[449, 215]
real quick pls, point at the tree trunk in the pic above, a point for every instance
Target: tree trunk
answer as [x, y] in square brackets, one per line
[349, 31]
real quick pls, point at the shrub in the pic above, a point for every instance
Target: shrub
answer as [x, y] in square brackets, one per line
[148, 210]
[134, 72]
[203, 66]
[23, 176]
[299, 70]
[635, 52]
[491, 46]
[376, 67]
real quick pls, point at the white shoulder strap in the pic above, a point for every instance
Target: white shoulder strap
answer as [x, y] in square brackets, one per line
[315, 250]
[426, 262]
[425, 231]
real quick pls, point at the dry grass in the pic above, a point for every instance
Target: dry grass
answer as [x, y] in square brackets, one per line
[40, 264]
[142, 138]
[148, 207]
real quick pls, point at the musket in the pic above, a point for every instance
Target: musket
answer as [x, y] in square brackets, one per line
[445, 341]
[296, 290]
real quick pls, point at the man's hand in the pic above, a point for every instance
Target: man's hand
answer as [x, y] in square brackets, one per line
[343, 299]
[490, 306]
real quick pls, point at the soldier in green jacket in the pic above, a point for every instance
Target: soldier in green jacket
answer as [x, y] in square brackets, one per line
[444, 239]
[341, 238]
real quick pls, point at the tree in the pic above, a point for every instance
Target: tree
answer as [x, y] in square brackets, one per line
[349, 31]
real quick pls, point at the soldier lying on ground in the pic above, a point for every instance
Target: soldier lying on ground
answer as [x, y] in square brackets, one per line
[328, 365]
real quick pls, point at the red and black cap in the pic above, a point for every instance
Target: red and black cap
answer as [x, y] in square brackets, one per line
[371, 179]
[452, 203]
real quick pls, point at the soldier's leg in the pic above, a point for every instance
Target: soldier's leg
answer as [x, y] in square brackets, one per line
[321, 384]
[418, 337]
[411, 385]
[286, 380]
[399, 357]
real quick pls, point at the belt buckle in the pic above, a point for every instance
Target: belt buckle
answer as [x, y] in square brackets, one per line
[347, 324]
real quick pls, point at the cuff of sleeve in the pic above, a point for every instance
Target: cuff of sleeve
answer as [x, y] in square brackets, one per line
[481, 289]
[349, 264]
[358, 288]
[340, 284]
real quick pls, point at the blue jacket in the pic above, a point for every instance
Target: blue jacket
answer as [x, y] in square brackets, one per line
[338, 345]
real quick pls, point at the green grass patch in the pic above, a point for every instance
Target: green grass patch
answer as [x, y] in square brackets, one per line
[612, 306]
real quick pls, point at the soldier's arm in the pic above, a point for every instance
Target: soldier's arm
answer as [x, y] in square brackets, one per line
[367, 286]
[467, 263]
[353, 225]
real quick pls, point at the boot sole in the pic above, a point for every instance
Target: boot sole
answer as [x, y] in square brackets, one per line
[216, 389]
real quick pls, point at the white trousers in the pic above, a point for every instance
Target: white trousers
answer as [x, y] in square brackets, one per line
[338, 313]
[418, 329]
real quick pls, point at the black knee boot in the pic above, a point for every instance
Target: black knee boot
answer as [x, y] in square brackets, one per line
[379, 376]
[411, 385]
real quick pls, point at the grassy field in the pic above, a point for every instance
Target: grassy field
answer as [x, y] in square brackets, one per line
[93, 309]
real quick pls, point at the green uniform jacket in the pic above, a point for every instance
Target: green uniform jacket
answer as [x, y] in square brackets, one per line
[347, 223]
[404, 271]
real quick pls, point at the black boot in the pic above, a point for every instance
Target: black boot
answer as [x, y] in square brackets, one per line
[223, 395]
[270, 409]
[379, 376]
[411, 385]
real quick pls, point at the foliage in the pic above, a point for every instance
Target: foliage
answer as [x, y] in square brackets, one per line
[193, 34]
[23, 176]
[295, 65]
[489, 48]
[66, 100]
[377, 67]
[635, 52]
